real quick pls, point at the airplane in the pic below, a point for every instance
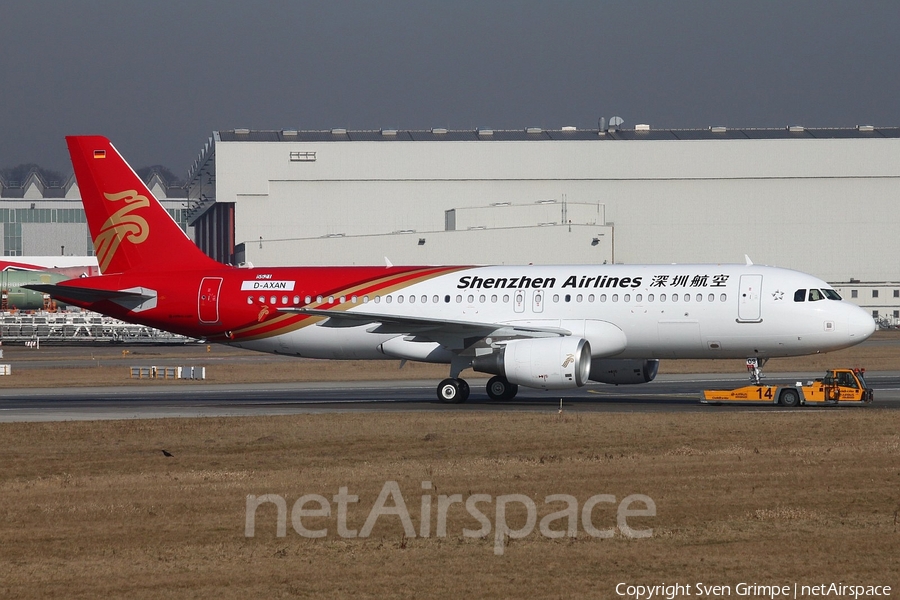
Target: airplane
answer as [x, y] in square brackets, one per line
[543, 327]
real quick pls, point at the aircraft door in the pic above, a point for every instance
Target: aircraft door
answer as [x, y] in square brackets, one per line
[208, 299]
[519, 301]
[537, 301]
[749, 299]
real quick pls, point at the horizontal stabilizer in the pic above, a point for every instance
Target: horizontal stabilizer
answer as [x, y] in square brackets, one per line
[85, 295]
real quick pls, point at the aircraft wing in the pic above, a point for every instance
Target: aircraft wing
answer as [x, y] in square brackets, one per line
[458, 334]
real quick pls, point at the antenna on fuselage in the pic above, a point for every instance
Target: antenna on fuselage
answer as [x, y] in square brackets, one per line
[747, 258]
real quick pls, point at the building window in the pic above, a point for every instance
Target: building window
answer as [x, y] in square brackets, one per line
[897, 314]
[854, 293]
[12, 239]
[896, 293]
[874, 314]
[874, 293]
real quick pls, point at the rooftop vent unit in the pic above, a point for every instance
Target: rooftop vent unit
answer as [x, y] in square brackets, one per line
[389, 132]
[485, 132]
[642, 127]
[796, 128]
[533, 130]
[718, 129]
[865, 127]
[339, 131]
[569, 128]
[289, 132]
[241, 131]
[439, 130]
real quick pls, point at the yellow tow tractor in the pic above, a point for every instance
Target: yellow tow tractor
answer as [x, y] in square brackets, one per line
[838, 386]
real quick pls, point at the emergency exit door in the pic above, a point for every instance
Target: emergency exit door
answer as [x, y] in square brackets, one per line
[208, 299]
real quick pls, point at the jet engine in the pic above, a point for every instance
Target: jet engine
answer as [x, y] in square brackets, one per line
[624, 370]
[545, 363]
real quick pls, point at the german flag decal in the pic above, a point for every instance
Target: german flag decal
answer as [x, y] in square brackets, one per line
[99, 153]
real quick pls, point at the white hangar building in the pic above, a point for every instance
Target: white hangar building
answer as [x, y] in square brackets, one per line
[823, 201]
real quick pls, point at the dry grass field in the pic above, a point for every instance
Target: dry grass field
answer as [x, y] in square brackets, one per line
[97, 510]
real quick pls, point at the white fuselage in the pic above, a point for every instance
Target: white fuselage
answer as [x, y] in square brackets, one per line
[662, 311]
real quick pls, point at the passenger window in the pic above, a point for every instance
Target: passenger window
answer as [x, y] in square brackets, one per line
[458, 298]
[447, 299]
[615, 297]
[602, 297]
[699, 297]
[591, 298]
[722, 297]
[284, 300]
[638, 298]
[249, 299]
[568, 297]
[799, 295]
[649, 297]
[674, 297]
[308, 299]
[425, 299]
[579, 298]
[412, 299]
[471, 299]
[296, 299]
[505, 298]
[627, 298]
[353, 299]
[556, 297]
[662, 297]
[399, 298]
[481, 298]
[687, 297]
[437, 299]
[494, 298]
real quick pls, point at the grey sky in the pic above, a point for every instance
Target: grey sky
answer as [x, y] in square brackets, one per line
[158, 77]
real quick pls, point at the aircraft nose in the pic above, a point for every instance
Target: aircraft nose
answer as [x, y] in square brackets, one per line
[861, 326]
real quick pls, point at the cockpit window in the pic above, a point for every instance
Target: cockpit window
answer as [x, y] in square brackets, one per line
[815, 295]
[831, 294]
[799, 295]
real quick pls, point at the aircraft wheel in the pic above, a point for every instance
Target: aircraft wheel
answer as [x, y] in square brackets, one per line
[789, 398]
[499, 388]
[453, 391]
[464, 390]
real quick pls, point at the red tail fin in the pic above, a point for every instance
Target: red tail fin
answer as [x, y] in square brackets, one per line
[130, 228]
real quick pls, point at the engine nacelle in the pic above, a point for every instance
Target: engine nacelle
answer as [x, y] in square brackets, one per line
[545, 363]
[624, 370]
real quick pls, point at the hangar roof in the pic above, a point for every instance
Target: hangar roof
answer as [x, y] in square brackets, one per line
[567, 133]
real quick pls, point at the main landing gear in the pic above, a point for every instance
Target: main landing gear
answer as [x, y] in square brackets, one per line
[453, 391]
[456, 391]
